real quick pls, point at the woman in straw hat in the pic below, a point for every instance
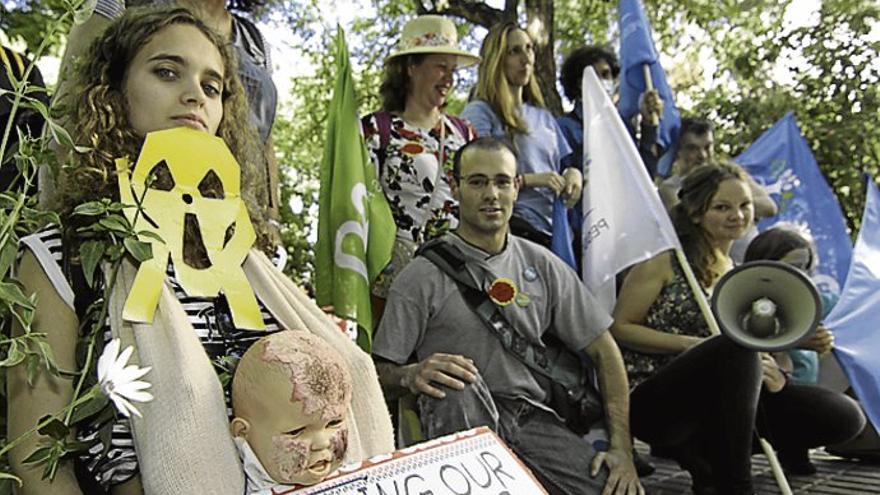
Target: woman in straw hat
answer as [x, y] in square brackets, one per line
[412, 141]
[508, 103]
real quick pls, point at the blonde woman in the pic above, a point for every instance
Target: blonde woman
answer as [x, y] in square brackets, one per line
[508, 104]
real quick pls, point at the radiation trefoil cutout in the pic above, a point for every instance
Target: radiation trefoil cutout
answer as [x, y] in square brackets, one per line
[202, 187]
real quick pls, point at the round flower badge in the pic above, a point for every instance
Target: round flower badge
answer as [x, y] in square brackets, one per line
[502, 291]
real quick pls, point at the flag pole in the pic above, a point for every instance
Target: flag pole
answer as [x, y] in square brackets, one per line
[649, 86]
[697, 291]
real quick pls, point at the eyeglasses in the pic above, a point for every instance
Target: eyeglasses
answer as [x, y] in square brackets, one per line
[480, 181]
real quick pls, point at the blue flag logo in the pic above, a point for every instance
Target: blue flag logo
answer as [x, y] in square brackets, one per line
[781, 161]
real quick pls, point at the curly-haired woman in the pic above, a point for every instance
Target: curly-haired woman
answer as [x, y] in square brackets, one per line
[152, 70]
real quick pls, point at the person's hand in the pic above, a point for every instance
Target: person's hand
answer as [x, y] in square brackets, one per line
[622, 476]
[651, 107]
[774, 378]
[822, 341]
[545, 179]
[452, 370]
[574, 183]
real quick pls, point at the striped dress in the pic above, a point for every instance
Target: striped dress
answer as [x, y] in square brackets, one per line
[107, 464]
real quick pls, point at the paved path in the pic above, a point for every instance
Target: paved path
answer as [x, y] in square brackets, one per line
[835, 477]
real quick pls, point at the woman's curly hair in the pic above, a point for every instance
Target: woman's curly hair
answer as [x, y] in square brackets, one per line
[97, 114]
[697, 191]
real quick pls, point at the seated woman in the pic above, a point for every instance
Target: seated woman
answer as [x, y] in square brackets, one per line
[794, 414]
[508, 104]
[153, 70]
[412, 141]
[695, 396]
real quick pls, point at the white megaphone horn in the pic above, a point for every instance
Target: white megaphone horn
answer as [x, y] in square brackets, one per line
[767, 306]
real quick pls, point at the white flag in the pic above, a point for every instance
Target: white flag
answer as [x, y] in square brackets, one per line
[624, 220]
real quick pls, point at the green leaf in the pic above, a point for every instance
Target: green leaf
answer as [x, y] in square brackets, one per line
[12, 293]
[84, 12]
[90, 254]
[87, 409]
[10, 476]
[90, 209]
[7, 257]
[55, 429]
[33, 365]
[47, 355]
[38, 455]
[140, 250]
[15, 355]
[115, 223]
[151, 235]
[61, 135]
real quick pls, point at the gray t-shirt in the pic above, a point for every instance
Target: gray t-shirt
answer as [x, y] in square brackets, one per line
[426, 313]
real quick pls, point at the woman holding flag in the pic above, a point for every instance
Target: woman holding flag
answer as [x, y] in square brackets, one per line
[508, 104]
[695, 396]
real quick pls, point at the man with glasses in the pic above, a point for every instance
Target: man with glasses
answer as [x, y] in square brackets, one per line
[432, 343]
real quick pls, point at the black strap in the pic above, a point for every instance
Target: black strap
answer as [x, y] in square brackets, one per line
[449, 259]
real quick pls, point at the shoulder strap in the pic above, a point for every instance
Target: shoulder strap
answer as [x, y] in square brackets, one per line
[450, 260]
[383, 126]
[255, 39]
[461, 126]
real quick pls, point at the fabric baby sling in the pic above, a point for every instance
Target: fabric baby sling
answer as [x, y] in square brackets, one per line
[183, 441]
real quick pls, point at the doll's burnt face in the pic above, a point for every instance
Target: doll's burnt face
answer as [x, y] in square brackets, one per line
[308, 451]
[294, 394]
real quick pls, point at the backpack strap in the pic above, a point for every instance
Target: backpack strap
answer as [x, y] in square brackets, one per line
[383, 127]
[464, 129]
[451, 261]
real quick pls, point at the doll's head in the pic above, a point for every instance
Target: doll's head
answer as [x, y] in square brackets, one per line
[290, 394]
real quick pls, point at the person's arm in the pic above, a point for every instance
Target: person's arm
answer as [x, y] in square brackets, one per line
[622, 476]
[78, 42]
[764, 204]
[480, 117]
[640, 289]
[49, 394]
[451, 370]
[668, 190]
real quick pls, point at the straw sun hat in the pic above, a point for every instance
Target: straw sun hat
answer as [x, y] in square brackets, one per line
[429, 34]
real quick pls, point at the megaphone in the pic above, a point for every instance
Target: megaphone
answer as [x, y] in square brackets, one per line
[766, 306]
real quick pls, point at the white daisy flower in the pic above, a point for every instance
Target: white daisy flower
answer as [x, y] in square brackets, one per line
[120, 382]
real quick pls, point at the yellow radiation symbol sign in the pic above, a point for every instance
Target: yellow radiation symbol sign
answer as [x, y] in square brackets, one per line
[189, 187]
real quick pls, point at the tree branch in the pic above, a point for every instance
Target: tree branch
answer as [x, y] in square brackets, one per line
[478, 13]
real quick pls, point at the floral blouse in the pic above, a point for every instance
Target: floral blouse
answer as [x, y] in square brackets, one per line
[674, 311]
[420, 197]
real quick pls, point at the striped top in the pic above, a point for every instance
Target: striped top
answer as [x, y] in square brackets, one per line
[117, 462]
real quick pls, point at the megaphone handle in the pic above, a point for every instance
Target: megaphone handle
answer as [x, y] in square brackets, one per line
[781, 481]
[697, 292]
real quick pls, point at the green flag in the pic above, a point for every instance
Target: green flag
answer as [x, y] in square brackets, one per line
[355, 228]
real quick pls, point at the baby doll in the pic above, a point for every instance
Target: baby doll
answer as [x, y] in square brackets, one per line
[289, 397]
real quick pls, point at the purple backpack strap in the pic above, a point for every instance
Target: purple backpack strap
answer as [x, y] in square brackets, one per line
[462, 126]
[383, 127]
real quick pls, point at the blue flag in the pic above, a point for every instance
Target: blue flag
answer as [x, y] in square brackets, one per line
[636, 51]
[855, 319]
[781, 161]
[561, 242]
